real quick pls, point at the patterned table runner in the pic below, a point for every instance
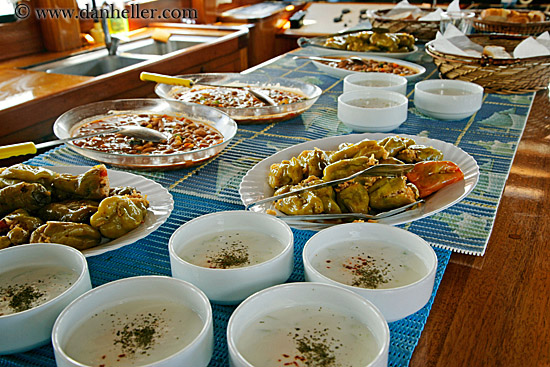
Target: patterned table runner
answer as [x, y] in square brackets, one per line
[490, 136]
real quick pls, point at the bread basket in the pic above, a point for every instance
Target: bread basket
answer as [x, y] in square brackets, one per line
[422, 30]
[503, 76]
[527, 29]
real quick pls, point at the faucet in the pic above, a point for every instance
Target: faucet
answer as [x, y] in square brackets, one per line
[111, 42]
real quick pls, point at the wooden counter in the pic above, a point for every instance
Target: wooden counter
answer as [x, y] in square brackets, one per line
[33, 100]
[495, 310]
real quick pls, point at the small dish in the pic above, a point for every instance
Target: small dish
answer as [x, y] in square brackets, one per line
[372, 111]
[146, 321]
[448, 99]
[65, 126]
[44, 278]
[356, 256]
[282, 324]
[375, 82]
[342, 73]
[231, 255]
[247, 115]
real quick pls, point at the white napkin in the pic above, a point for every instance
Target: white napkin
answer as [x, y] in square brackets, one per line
[544, 39]
[434, 15]
[453, 45]
[530, 47]
[454, 6]
[402, 10]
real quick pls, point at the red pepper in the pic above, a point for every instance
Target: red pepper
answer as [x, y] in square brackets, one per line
[431, 176]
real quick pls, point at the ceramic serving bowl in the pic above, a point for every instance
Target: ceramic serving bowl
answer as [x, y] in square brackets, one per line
[37, 281]
[143, 321]
[448, 99]
[231, 255]
[375, 82]
[389, 266]
[310, 322]
[372, 111]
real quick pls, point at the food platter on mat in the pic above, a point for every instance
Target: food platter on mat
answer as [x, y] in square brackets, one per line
[415, 70]
[255, 186]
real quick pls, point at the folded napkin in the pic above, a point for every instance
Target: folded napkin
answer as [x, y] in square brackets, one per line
[454, 42]
[404, 9]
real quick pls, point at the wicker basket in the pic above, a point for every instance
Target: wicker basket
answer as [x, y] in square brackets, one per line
[422, 30]
[503, 76]
[527, 29]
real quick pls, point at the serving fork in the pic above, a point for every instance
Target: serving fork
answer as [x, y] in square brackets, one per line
[386, 170]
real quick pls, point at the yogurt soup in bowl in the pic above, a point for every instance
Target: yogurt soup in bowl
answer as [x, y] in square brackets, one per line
[37, 281]
[139, 321]
[391, 267]
[230, 255]
[307, 324]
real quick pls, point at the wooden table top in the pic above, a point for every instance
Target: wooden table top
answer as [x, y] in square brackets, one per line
[495, 310]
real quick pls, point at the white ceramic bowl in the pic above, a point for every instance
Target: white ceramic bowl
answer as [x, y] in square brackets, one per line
[136, 303]
[394, 303]
[375, 82]
[372, 119]
[232, 285]
[316, 298]
[28, 329]
[448, 99]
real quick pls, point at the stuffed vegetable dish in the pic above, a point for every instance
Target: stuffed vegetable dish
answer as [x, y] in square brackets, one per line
[372, 41]
[81, 211]
[368, 195]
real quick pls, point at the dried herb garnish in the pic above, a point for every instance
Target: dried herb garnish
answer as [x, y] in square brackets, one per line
[22, 296]
[234, 255]
[137, 338]
[367, 273]
[316, 353]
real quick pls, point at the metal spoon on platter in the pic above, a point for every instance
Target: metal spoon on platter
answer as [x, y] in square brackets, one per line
[138, 132]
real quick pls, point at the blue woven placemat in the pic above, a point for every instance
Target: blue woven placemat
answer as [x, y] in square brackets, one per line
[490, 136]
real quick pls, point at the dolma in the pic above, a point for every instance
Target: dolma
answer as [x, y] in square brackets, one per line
[26, 173]
[429, 177]
[78, 211]
[303, 203]
[390, 193]
[92, 184]
[78, 235]
[395, 144]
[354, 197]
[123, 190]
[18, 226]
[365, 148]
[313, 162]
[29, 196]
[347, 167]
[285, 173]
[419, 153]
[118, 215]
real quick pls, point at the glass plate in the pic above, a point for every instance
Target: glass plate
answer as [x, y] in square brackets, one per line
[267, 114]
[67, 123]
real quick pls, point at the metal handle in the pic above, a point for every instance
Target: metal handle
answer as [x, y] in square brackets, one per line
[376, 170]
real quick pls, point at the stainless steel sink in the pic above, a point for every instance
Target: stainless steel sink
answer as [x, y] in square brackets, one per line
[152, 47]
[99, 62]
[89, 64]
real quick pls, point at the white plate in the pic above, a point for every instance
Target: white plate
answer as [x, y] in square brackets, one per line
[342, 73]
[254, 185]
[160, 200]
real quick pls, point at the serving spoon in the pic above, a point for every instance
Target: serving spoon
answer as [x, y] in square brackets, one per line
[172, 80]
[326, 59]
[138, 132]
